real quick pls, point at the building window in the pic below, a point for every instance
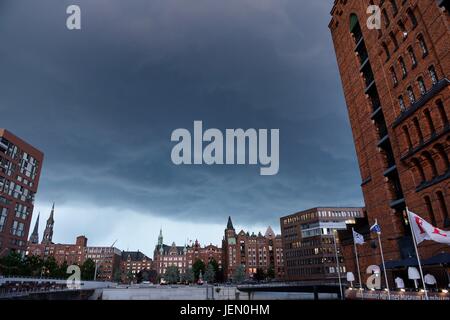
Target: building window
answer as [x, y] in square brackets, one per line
[407, 136]
[443, 207]
[430, 210]
[401, 102]
[443, 155]
[422, 87]
[416, 163]
[394, 7]
[442, 112]
[386, 51]
[433, 75]
[412, 55]
[427, 114]
[387, 22]
[423, 45]
[3, 215]
[394, 40]
[394, 76]
[431, 163]
[402, 28]
[412, 17]
[411, 96]
[403, 67]
[418, 130]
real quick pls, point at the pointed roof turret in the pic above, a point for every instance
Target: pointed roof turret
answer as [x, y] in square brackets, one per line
[34, 238]
[230, 223]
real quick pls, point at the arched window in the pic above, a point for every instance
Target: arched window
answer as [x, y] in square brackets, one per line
[394, 40]
[433, 75]
[418, 166]
[418, 130]
[422, 87]
[443, 155]
[401, 103]
[387, 22]
[443, 206]
[427, 115]
[393, 76]
[423, 45]
[442, 112]
[431, 163]
[394, 7]
[430, 210]
[412, 56]
[411, 96]
[403, 67]
[386, 51]
[412, 17]
[407, 137]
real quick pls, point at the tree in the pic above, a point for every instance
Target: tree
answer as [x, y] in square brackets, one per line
[259, 275]
[239, 274]
[88, 269]
[210, 274]
[12, 264]
[188, 276]
[51, 268]
[33, 266]
[62, 270]
[271, 272]
[117, 276]
[198, 266]
[172, 274]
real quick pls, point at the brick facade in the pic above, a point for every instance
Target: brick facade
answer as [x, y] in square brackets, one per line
[396, 87]
[20, 169]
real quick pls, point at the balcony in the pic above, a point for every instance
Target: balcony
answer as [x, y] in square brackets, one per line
[426, 143]
[378, 112]
[390, 170]
[398, 203]
[438, 87]
[426, 184]
[383, 140]
[370, 84]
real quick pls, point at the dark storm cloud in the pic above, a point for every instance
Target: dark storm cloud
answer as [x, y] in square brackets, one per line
[102, 102]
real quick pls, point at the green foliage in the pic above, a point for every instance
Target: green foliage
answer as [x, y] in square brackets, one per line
[13, 264]
[188, 276]
[259, 275]
[210, 274]
[239, 274]
[172, 274]
[88, 269]
[198, 267]
[271, 272]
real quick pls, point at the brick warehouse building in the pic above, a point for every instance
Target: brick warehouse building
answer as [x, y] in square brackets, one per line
[396, 87]
[20, 169]
[252, 252]
[107, 259]
[308, 243]
[183, 257]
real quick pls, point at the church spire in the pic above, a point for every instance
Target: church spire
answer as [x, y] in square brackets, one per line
[48, 232]
[229, 224]
[160, 238]
[34, 238]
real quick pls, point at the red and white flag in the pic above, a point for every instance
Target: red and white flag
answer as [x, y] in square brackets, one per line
[425, 231]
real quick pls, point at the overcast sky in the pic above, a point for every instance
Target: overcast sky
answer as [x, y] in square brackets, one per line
[102, 102]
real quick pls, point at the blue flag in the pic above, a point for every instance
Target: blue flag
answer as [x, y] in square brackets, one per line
[376, 228]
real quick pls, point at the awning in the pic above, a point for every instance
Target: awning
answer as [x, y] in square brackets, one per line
[442, 258]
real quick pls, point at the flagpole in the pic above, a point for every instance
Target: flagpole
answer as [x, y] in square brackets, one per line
[357, 263]
[337, 264]
[384, 265]
[417, 254]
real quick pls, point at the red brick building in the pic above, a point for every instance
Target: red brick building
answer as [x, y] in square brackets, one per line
[396, 87]
[252, 251]
[183, 257]
[134, 262]
[20, 169]
[107, 259]
[308, 243]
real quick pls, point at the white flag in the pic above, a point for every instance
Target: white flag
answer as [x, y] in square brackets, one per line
[358, 238]
[425, 231]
